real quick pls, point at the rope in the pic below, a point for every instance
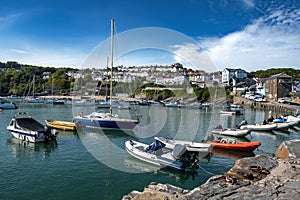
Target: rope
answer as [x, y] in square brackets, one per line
[208, 172]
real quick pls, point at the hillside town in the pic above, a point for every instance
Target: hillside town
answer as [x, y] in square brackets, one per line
[277, 87]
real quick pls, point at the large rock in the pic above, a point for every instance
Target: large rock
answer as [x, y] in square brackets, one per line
[289, 149]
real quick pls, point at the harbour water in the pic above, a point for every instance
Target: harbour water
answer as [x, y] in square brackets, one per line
[94, 165]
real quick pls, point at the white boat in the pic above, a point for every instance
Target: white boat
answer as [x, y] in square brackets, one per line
[259, 127]
[83, 102]
[106, 104]
[177, 159]
[26, 128]
[106, 120]
[232, 112]
[292, 120]
[231, 131]
[173, 104]
[34, 100]
[206, 105]
[203, 149]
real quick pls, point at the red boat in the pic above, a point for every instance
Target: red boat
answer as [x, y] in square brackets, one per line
[234, 145]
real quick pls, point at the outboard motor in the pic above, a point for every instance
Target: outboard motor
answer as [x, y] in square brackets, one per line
[244, 122]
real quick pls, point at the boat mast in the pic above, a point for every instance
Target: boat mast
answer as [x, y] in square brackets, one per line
[33, 82]
[111, 63]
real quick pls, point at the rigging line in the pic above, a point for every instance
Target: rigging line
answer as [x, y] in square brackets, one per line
[122, 57]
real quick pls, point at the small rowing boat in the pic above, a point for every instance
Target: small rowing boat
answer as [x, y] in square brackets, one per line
[63, 125]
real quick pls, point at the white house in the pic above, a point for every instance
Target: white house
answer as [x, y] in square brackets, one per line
[228, 74]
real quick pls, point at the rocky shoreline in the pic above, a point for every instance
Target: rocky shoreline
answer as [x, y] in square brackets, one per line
[259, 177]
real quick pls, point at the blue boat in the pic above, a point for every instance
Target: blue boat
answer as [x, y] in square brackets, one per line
[105, 121]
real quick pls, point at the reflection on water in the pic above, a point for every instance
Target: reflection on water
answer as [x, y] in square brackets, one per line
[134, 163]
[232, 154]
[21, 149]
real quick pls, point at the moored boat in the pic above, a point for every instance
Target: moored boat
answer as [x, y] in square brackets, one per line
[203, 149]
[177, 159]
[232, 112]
[173, 104]
[292, 120]
[7, 105]
[231, 131]
[230, 144]
[26, 128]
[259, 127]
[63, 125]
[105, 121]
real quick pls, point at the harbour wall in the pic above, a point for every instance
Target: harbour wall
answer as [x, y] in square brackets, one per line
[270, 105]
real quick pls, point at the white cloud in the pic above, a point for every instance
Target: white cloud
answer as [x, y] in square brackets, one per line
[192, 56]
[7, 20]
[270, 41]
[44, 57]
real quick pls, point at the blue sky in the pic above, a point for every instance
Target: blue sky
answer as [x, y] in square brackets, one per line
[248, 34]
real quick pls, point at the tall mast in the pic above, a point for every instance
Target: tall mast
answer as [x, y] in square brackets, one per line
[33, 85]
[111, 63]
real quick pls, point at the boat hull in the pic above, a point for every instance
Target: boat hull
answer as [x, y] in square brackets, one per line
[30, 137]
[239, 146]
[260, 127]
[232, 132]
[106, 124]
[232, 112]
[62, 125]
[8, 106]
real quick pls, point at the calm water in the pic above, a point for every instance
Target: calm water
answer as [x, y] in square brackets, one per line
[94, 165]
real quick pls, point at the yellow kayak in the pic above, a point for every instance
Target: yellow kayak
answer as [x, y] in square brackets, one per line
[63, 125]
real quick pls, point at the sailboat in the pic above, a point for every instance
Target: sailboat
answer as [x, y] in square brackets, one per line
[33, 98]
[106, 120]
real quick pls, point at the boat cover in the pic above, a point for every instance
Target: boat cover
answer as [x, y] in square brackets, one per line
[155, 146]
[30, 124]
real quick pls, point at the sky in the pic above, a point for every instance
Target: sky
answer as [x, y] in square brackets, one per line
[208, 35]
